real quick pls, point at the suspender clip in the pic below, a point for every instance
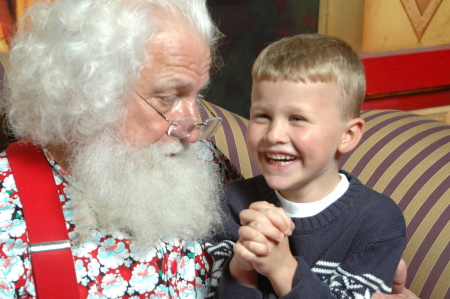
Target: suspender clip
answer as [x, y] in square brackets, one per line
[49, 246]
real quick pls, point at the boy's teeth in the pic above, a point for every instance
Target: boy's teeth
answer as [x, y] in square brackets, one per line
[279, 159]
[279, 162]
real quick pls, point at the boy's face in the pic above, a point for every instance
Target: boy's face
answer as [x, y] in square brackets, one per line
[294, 135]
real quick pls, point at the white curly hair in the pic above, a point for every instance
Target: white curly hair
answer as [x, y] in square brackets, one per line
[73, 62]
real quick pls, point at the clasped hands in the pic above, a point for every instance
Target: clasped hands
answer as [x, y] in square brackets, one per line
[263, 248]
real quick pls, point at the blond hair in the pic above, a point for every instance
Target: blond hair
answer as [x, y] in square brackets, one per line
[315, 58]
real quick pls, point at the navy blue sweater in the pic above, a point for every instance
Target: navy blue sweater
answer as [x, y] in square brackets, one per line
[349, 250]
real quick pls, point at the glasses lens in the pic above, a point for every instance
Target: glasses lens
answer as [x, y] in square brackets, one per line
[210, 127]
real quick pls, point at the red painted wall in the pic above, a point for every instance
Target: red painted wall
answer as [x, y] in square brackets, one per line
[408, 79]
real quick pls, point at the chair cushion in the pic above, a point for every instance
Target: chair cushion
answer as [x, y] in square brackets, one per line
[407, 157]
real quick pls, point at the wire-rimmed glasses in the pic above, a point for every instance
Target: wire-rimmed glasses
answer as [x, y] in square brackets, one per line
[183, 127]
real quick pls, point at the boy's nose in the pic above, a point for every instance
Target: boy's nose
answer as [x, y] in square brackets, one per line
[277, 133]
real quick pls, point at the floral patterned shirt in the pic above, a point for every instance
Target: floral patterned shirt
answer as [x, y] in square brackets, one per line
[107, 266]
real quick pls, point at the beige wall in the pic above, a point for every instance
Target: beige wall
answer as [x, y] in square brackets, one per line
[384, 25]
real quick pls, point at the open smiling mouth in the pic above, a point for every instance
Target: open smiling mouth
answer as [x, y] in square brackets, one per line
[280, 159]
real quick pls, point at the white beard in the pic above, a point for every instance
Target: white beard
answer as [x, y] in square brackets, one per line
[156, 193]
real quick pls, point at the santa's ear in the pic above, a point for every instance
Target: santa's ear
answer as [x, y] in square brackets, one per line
[352, 135]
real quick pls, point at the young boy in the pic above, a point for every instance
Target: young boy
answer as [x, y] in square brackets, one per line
[348, 239]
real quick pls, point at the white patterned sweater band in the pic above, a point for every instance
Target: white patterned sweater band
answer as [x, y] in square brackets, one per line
[49, 246]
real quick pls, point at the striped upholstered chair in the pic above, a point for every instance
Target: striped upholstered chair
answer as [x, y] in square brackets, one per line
[403, 155]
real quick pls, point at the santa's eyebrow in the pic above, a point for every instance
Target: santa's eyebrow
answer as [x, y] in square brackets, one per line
[179, 84]
[173, 84]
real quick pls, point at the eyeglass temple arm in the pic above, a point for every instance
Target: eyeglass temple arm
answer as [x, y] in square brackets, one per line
[162, 115]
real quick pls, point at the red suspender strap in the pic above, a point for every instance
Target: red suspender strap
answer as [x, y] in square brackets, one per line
[51, 256]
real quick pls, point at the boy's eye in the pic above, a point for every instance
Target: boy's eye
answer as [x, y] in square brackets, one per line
[261, 116]
[297, 118]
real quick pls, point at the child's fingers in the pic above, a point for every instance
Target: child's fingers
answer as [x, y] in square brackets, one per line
[248, 215]
[277, 216]
[268, 230]
[260, 232]
[258, 249]
[242, 253]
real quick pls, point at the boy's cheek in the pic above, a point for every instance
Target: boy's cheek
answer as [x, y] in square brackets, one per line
[252, 141]
[253, 137]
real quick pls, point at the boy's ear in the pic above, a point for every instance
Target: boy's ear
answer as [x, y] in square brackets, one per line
[352, 135]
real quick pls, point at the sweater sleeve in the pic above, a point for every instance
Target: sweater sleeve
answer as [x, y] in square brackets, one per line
[353, 278]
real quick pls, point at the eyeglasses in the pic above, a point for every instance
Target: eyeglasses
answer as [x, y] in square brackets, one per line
[183, 127]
